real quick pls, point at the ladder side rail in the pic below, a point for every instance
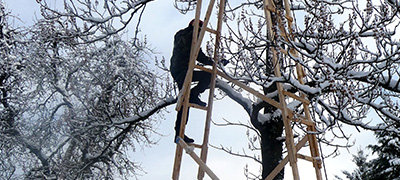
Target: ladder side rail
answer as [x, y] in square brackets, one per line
[300, 76]
[288, 129]
[285, 160]
[200, 37]
[311, 137]
[195, 47]
[202, 165]
[194, 50]
[204, 150]
[186, 92]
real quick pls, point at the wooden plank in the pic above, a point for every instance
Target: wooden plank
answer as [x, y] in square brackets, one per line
[291, 52]
[278, 168]
[271, 8]
[315, 153]
[196, 145]
[294, 96]
[301, 143]
[204, 149]
[202, 165]
[288, 129]
[250, 90]
[289, 18]
[305, 157]
[198, 106]
[211, 30]
[287, 124]
[177, 162]
[180, 100]
[203, 68]
[285, 160]
[195, 47]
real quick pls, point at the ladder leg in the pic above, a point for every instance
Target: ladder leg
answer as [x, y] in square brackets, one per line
[178, 153]
[186, 91]
[204, 149]
[177, 162]
[288, 129]
[315, 153]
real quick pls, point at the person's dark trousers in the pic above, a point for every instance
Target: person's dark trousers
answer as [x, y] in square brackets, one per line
[203, 78]
[179, 121]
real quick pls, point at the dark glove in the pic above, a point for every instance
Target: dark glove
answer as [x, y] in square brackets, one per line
[224, 62]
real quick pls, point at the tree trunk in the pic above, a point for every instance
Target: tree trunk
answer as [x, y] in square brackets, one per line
[271, 143]
[271, 147]
[271, 131]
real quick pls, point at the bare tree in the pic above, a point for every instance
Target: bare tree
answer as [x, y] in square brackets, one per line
[351, 54]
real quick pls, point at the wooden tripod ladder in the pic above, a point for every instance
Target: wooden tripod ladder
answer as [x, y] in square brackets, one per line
[184, 95]
[288, 115]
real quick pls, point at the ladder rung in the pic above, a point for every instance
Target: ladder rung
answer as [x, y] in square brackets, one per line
[311, 159]
[289, 18]
[308, 158]
[196, 145]
[294, 96]
[203, 68]
[197, 106]
[211, 30]
[300, 119]
[304, 121]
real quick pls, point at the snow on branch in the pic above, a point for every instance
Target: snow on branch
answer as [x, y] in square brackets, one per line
[146, 114]
[89, 21]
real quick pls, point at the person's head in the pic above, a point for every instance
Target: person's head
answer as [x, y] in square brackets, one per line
[191, 24]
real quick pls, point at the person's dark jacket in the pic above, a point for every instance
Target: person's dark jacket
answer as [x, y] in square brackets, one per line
[181, 53]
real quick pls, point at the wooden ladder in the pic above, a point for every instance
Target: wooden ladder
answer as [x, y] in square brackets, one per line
[289, 116]
[184, 95]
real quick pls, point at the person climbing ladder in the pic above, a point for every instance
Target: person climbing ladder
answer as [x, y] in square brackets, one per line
[179, 67]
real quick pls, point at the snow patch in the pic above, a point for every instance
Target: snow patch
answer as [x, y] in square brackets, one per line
[395, 162]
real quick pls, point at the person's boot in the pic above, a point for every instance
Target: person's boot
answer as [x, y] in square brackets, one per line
[186, 139]
[194, 99]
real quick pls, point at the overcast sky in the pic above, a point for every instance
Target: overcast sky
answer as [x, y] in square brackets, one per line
[160, 22]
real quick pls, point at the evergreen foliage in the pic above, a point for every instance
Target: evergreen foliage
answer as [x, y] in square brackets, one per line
[384, 167]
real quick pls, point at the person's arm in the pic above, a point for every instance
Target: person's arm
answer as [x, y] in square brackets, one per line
[204, 59]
